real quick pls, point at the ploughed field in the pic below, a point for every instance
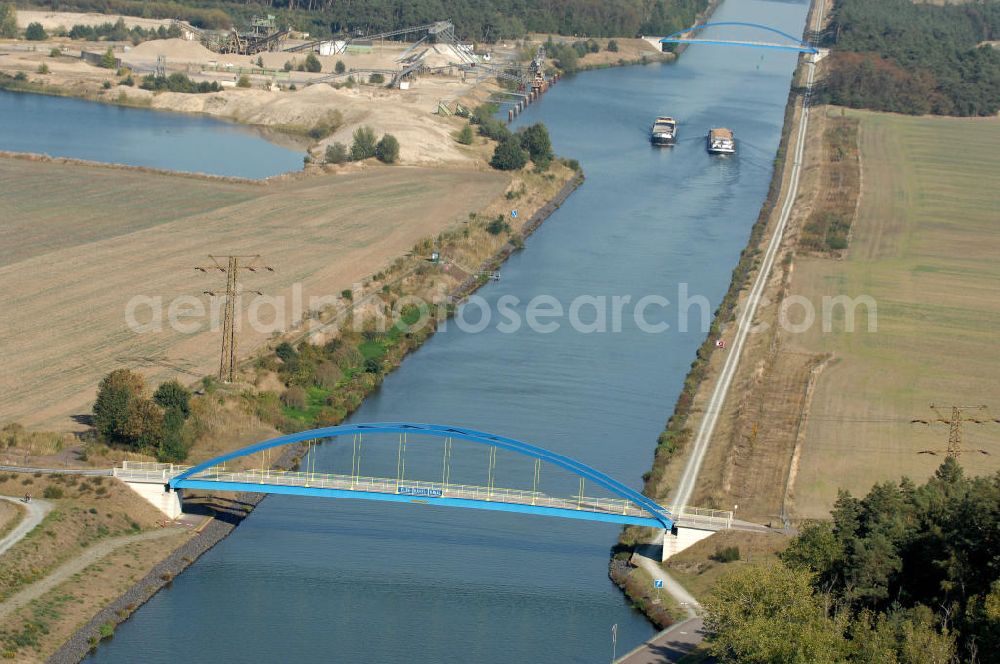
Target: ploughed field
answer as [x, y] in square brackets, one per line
[79, 242]
[924, 246]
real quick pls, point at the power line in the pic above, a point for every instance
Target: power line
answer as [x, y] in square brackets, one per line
[955, 421]
[232, 268]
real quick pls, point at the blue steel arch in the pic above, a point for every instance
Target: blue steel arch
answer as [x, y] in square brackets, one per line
[799, 45]
[655, 510]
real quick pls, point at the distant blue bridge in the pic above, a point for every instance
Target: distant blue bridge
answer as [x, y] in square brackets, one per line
[685, 37]
[627, 507]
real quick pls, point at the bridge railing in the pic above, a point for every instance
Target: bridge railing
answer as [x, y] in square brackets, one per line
[147, 471]
[700, 517]
[418, 489]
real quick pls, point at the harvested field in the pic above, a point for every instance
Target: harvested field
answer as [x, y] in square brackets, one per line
[924, 246]
[82, 240]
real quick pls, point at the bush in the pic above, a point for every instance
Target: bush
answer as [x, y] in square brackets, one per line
[508, 156]
[295, 397]
[497, 226]
[178, 82]
[484, 112]
[243, 82]
[337, 154]
[35, 32]
[8, 20]
[340, 67]
[495, 129]
[364, 144]
[287, 66]
[106, 85]
[535, 139]
[123, 414]
[20, 76]
[55, 53]
[52, 492]
[387, 150]
[727, 554]
[612, 46]
[43, 68]
[376, 79]
[108, 60]
[313, 64]
[173, 395]
[465, 135]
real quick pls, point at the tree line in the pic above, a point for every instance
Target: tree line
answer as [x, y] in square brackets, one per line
[479, 20]
[911, 57]
[906, 574]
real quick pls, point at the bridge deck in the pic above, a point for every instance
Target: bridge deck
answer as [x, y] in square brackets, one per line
[616, 510]
[735, 42]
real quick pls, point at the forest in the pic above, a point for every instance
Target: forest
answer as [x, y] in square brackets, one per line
[477, 20]
[916, 58]
[906, 574]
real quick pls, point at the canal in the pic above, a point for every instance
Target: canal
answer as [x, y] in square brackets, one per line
[139, 137]
[312, 580]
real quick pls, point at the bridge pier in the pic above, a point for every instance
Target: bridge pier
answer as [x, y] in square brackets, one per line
[685, 538]
[151, 486]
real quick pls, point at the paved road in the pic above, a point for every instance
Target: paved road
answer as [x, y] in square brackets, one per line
[58, 471]
[669, 645]
[88, 557]
[37, 509]
[652, 566]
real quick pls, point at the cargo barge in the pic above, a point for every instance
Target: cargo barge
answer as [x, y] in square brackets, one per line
[721, 141]
[664, 131]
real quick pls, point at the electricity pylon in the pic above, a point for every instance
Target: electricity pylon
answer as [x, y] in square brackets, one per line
[227, 362]
[954, 421]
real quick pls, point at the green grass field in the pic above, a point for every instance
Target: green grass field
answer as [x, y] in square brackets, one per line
[925, 246]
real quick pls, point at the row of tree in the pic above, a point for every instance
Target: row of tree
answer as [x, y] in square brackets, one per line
[364, 146]
[513, 150]
[480, 20]
[914, 57]
[126, 414]
[906, 574]
[118, 31]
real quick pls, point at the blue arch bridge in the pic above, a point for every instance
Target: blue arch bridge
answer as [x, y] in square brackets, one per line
[690, 36]
[162, 484]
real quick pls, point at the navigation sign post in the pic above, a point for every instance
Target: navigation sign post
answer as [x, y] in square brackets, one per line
[658, 585]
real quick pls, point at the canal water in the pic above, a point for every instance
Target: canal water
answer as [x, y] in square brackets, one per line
[79, 129]
[315, 580]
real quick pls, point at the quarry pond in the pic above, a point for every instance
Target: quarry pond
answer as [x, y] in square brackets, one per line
[80, 129]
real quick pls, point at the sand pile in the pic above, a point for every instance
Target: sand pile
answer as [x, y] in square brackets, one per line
[178, 50]
[441, 55]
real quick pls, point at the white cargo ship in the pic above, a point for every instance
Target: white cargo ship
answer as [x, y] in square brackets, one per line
[721, 141]
[664, 131]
